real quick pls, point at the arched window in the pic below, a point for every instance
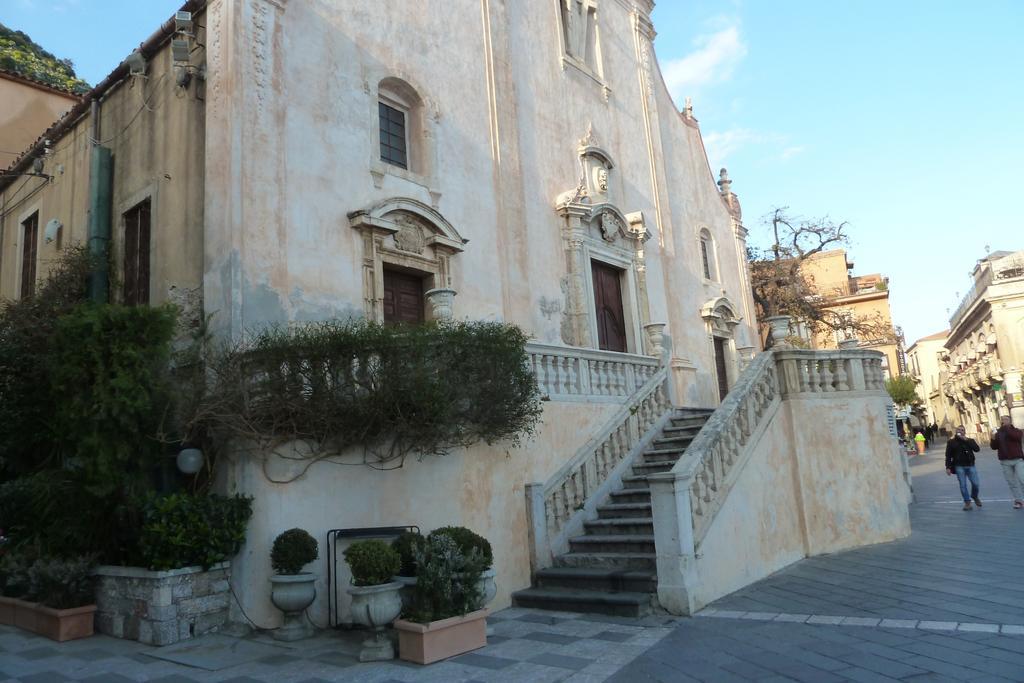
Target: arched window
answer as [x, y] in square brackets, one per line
[400, 125]
[707, 255]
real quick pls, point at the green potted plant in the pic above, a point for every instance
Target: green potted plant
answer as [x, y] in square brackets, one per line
[15, 607]
[447, 617]
[292, 589]
[67, 602]
[467, 541]
[405, 545]
[375, 597]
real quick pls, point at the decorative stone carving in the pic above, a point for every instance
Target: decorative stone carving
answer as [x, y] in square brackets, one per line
[549, 307]
[611, 227]
[410, 236]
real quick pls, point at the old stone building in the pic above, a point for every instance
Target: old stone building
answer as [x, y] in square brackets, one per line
[863, 297]
[282, 161]
[984, 353]
[924, 364]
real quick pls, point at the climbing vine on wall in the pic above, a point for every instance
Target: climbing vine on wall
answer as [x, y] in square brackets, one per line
[393, 390]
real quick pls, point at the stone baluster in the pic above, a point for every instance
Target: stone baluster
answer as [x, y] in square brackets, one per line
[841, 374]
[813, 377]
[826, 376]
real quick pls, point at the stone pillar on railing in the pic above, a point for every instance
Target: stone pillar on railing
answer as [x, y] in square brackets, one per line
[537, 527]
[673, 540]
[857, 380]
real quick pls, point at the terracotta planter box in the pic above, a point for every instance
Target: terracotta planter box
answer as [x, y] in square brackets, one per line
[64, 624]
[7, 608]
[25, 615]
[428, 643]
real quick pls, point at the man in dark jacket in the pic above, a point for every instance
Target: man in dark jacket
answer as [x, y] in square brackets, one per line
[1006, 440]
[960, 460]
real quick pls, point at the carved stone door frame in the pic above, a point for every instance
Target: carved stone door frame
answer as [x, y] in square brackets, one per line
[720, 321]
[408, 234]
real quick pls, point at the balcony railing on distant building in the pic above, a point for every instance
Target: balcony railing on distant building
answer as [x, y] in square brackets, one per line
[1000, 271]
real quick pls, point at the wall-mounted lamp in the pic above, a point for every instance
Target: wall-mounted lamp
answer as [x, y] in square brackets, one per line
[52, 231]
[190, 460]
[136, 63]
[180, 50]
[183, 22]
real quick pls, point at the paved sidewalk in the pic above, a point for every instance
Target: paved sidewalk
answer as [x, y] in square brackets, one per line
[946, 604]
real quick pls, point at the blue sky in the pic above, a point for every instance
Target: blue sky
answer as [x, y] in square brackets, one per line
[902, 118]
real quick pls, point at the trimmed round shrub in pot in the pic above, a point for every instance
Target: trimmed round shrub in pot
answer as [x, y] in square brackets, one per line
[293, 590]
[375, 597]
[466, 540]
[405, 546]
[293, 550]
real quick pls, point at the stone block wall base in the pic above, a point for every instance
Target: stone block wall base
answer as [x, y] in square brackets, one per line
[161, 607]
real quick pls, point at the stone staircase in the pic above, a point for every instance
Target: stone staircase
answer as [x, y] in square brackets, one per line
[610, 569]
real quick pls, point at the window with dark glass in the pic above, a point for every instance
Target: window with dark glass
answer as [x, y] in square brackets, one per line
[393, 146]
[29, 242]
[136, 254]
[705, 257]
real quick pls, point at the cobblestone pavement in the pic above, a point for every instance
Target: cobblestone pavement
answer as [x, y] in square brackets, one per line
[946, 604]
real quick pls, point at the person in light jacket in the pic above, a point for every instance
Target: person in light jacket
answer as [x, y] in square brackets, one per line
[960, 461]
[1006, 441]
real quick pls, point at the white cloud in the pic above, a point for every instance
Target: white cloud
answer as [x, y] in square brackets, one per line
[714, 60]
[721, 145]
[791, 152]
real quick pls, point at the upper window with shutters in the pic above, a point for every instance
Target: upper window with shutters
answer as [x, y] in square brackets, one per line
[581, 44]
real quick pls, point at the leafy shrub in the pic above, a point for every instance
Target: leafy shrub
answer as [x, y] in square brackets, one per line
[62, 584]
[373, 562]
[293, 550]
[467, 540]
[391, 389]
[14, 572]
[108, 375]
[447, 581]
[182, 530]
[27, 334]
[405, 545]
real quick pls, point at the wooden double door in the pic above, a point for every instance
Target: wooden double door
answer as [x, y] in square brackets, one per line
[611, 318]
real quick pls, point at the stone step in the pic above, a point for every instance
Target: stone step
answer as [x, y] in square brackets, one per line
[634, 481]
[624, 604]
[676, 452]
[683, 422]
[670, 431]
[679, 441]
[652, 467]
[634, 495]
[613, 543]
[599, 560]
[621, 526]
[693, 412]
[662, 456]
[624, 510]
[599, 579]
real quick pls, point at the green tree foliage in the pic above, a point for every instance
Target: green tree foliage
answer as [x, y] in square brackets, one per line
[902, 389]
[21, 55]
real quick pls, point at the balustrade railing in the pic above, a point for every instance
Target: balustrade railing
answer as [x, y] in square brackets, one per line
[721, 448]
[557, 507]
[566, 373]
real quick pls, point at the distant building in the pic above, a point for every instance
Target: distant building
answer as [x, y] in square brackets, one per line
[29, 109]
[858, 296]
[924, 364]
[981, 371]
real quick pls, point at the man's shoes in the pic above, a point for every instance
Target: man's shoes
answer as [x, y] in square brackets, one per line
[1018, 504]
[977, 501]
[967, 505]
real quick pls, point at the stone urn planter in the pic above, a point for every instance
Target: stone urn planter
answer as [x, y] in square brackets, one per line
[779, 325]
[292, 594]
[375, 607]
[437, 640]
[656, 338]
[488, 588]
[442, 303]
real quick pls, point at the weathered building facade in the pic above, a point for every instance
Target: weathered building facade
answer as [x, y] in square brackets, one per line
[924, 364]
[29, 109]
[981, 370]
[306, 160]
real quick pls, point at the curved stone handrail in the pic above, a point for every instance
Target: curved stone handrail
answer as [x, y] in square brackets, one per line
[559, 506]
[717, 453]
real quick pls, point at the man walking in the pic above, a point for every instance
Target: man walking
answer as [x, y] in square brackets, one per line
[960, 460]
[1006, 441]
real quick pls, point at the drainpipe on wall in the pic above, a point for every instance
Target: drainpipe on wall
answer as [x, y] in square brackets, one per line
[100, 193]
